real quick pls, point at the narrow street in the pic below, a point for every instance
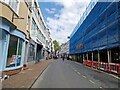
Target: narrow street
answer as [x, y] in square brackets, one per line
[60, 44]
[69, 74]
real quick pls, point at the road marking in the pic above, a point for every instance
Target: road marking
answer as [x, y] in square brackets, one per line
[79, 73]
[75, 70]
[104, 72]
[92, 81]
[84, 76]
[115, 76]
[101, 88]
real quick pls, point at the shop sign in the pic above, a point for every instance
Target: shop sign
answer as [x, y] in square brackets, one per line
[80, 46]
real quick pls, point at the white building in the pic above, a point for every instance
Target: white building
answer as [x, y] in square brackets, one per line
[64, 49]
[39, 34]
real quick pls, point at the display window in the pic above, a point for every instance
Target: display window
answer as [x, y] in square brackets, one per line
[14, 52]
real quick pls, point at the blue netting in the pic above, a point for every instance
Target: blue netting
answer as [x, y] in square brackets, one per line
[100, 30]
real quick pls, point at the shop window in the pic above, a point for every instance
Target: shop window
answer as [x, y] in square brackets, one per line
[19, 52]
[14, 52]
[31, 50]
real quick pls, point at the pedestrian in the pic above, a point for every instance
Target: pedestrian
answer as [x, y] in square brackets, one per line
[63, 58]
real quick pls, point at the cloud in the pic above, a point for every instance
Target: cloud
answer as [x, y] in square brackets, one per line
[50, 11]
[56, 16]
[62, 26]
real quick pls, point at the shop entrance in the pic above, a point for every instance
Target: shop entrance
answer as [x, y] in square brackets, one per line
[39, 52]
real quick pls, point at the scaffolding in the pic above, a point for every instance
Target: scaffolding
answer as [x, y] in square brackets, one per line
[100, 30]
[97, 39]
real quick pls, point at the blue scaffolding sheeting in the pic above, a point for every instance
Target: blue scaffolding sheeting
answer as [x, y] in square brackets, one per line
[100, 29]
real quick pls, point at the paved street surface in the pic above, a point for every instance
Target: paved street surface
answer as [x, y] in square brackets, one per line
[69, 74]
[26, 78]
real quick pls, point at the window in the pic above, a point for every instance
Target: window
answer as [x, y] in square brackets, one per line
[19, 52]
[31, 50]
[33, 25]
[6, 1]
[14, 52]
[29, 3]
[14, 5]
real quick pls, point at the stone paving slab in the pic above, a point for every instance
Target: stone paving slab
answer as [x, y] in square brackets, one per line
[26, 78]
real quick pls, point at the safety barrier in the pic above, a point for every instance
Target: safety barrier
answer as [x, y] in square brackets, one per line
[85, 62]
[89, 63]
[110, 67]
[115, 68]
[95, 64]
[103, 66]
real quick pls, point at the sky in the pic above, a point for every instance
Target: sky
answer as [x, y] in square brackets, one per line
[61, 16]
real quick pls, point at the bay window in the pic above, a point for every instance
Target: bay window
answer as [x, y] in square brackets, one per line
[14, 52]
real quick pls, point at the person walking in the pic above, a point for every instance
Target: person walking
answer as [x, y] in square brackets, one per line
[63, 57]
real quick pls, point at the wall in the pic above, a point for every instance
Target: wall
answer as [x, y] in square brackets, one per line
[7, 13]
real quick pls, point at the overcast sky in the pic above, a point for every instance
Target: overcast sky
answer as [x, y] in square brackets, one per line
[61, 16]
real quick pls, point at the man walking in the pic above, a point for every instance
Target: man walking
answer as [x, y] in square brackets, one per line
[63, 57]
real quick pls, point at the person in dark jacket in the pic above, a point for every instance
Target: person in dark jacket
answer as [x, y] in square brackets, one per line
[63, 57]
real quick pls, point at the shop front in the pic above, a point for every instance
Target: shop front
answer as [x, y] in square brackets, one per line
[32, 52]
[12, 46]
[39, 52]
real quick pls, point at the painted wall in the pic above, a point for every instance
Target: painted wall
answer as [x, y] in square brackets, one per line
[8, 13]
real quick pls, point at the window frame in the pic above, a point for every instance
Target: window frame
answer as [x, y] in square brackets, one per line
[16, 53]
[18, 5]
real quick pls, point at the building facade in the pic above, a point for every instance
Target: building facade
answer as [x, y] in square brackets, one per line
[39, 34]
[24, 36]
[95, 40]
[64, 51]
[13, 34]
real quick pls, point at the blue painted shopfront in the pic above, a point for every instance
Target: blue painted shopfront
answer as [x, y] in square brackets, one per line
[9, 34]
